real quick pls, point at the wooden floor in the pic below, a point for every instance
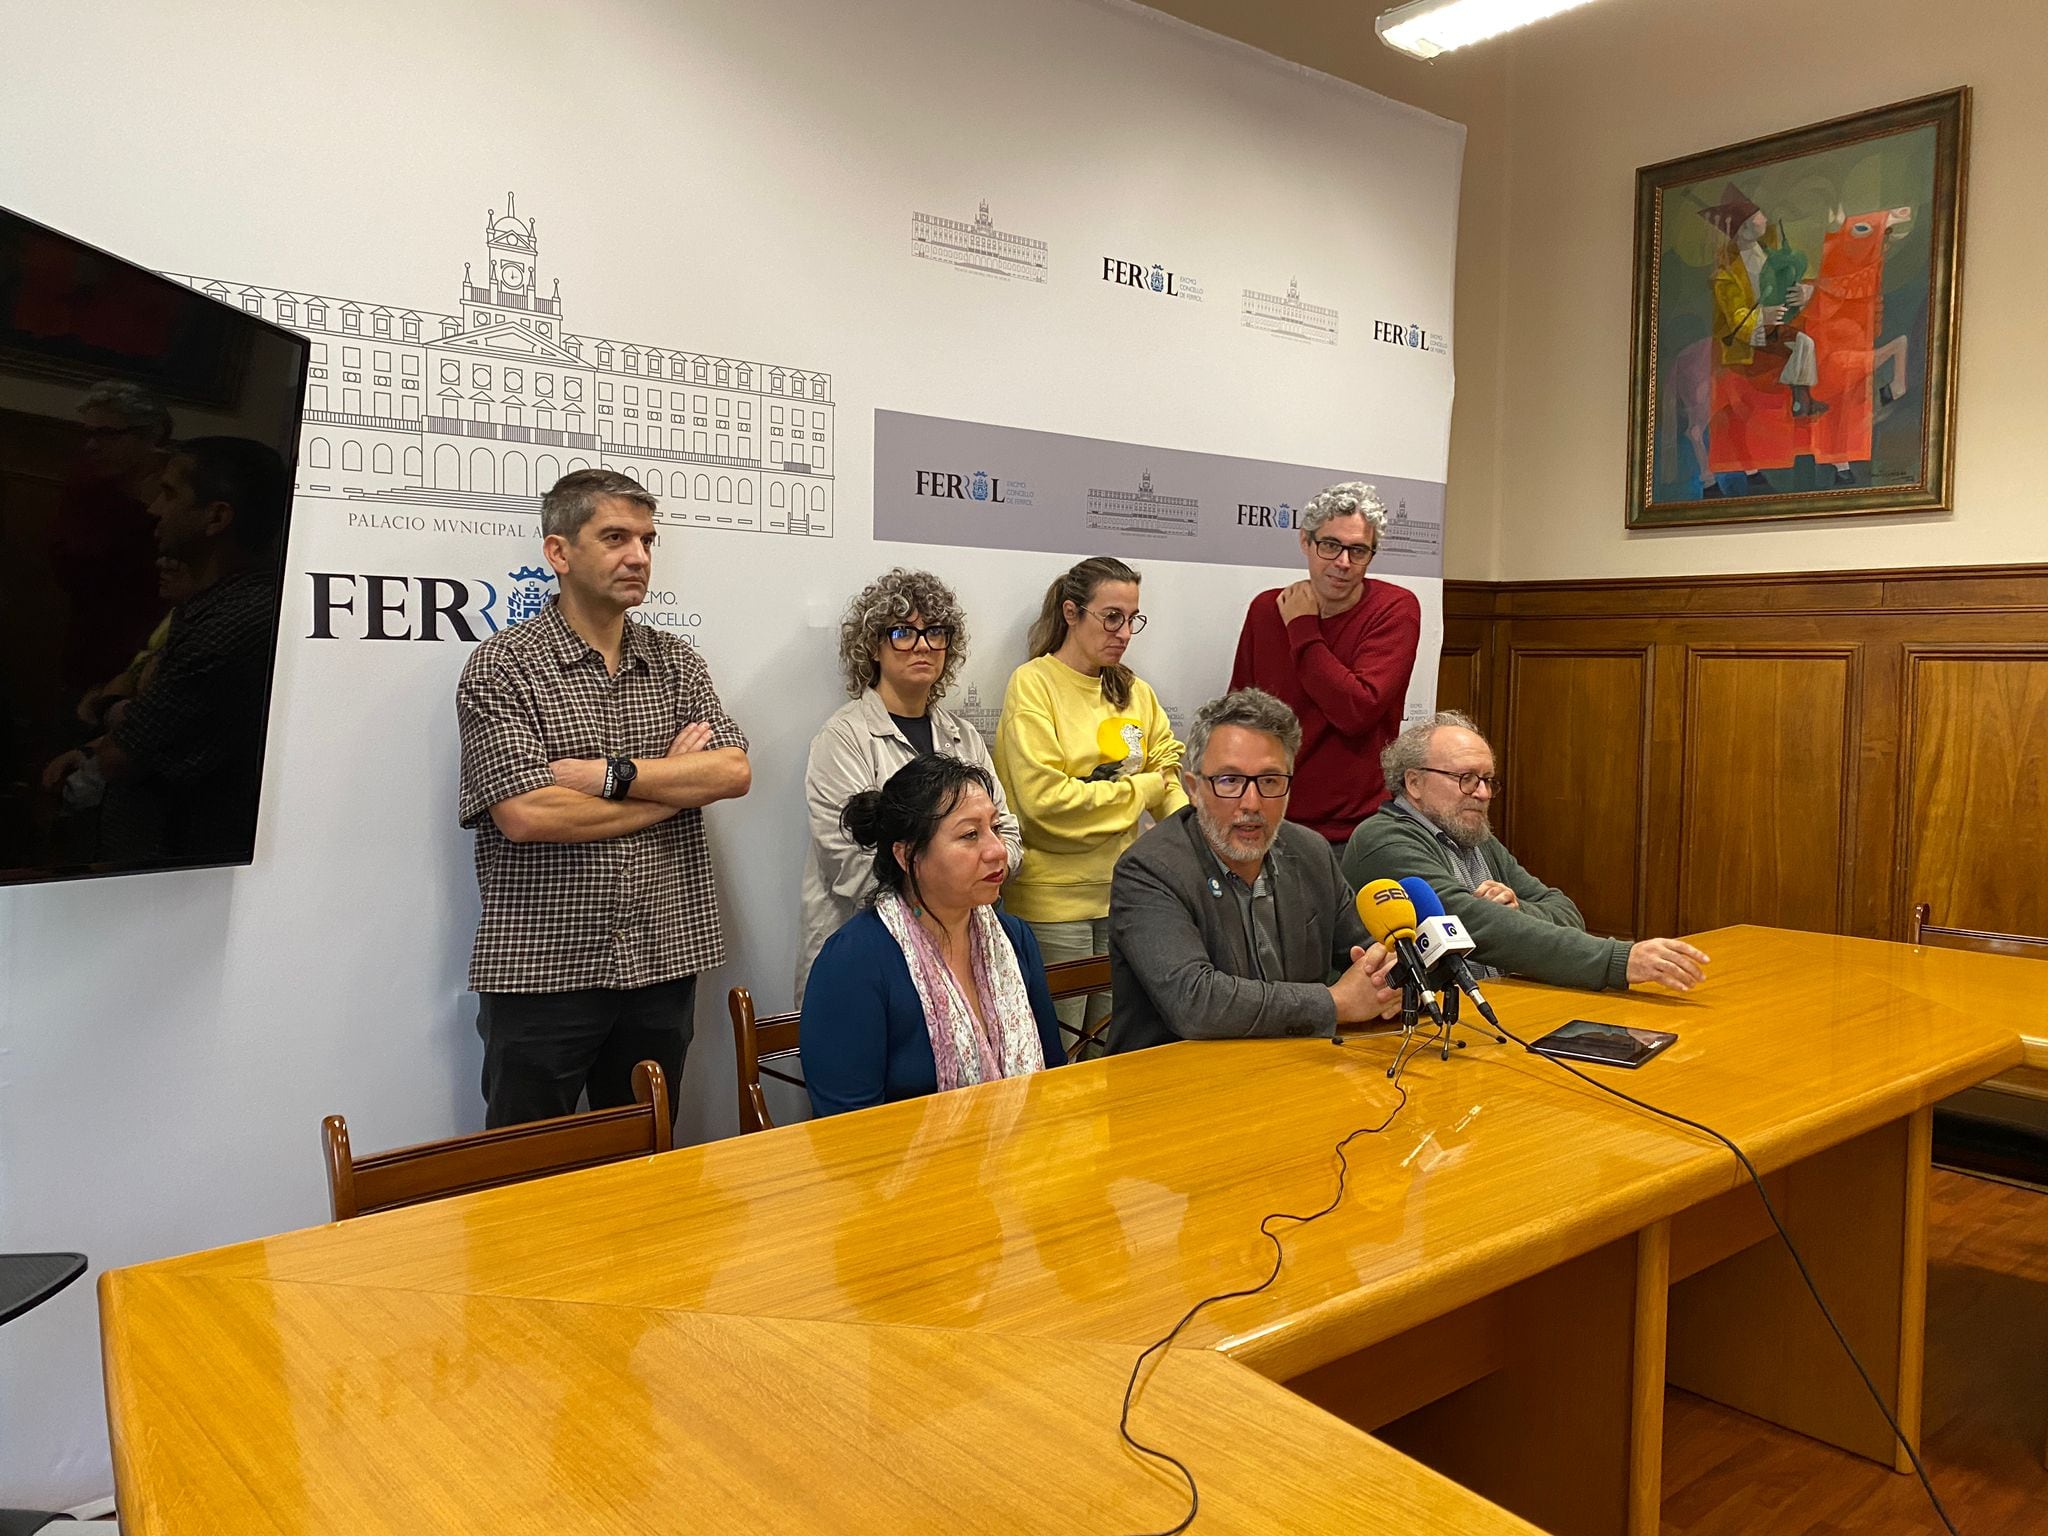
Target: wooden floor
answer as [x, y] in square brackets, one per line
[1726, 1474]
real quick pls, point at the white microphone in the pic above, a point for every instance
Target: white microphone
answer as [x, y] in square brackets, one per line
[1441, 941]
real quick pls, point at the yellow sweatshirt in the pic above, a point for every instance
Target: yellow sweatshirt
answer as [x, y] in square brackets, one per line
[1052, 736]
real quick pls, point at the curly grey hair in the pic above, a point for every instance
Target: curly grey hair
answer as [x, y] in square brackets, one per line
[1252, 708]
[889, 600]
[138, 409]
[1340, 501]
[1410, 750]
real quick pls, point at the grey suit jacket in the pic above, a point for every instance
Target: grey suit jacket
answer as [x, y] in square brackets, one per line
[1181, 961]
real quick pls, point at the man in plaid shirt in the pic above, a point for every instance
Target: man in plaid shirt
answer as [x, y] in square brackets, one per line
[590, 744]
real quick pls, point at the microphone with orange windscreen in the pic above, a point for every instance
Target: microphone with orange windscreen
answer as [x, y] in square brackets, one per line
[1389, 916]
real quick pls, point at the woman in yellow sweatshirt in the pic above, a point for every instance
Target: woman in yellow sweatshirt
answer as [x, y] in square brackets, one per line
[1083, 751]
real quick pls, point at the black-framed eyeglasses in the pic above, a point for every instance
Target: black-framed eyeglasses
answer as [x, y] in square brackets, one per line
[1231, 786]
[1117, 619]
[1330, 549]
[904, 637]
[1469, 781]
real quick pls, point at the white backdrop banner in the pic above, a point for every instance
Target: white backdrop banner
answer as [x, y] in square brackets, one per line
[705, 243]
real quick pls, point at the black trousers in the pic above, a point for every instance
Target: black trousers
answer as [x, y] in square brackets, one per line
[542, 1050]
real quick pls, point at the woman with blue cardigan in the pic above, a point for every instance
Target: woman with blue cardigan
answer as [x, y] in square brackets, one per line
[929, 988]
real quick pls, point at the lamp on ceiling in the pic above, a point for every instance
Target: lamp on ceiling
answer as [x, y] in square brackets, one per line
[1425, 28]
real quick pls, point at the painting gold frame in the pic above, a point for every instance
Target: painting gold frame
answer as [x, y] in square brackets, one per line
[1848, 406]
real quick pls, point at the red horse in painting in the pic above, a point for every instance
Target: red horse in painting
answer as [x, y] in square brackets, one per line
[1739, 418]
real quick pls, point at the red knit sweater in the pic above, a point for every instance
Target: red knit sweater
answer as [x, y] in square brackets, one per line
[1347, 679]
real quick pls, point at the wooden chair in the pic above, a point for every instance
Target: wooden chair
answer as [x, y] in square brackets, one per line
[2027, 1080]
[2031, 1078]
[759, 1046]
[1080, 978]
[436, 1169]
[762, 1047]
[2025, 946]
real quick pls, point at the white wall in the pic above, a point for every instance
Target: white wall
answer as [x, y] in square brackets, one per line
[1468, 87]
[1561, 115]
[734, 178]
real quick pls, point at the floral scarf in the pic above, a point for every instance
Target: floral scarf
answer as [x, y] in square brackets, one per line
[964, 1049]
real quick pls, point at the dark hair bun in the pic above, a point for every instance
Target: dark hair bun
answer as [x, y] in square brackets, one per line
[862, 818]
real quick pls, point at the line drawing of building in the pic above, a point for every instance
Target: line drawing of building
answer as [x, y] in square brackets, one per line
[1405, 537]
[1144, 511]
[977, 247]
[1289, 316]
[484, 409]
[983, 717]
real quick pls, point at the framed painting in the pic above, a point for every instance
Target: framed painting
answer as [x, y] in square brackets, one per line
[1797, 301]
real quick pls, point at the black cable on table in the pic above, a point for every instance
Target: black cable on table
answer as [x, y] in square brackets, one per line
[1159, 1345]
[1912, 1454]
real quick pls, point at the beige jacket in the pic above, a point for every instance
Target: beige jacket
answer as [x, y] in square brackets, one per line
[858, 749]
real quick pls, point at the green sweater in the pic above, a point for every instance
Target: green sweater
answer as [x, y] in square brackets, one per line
[1544, 939]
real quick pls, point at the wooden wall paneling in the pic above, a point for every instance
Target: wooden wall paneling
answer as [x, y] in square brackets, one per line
[1499, 723]
[1946, 692]
[1470, 663]
[1460, 679]
[1867, 900]
[1577, 732]
[1769, 786]
[1971, 826]
[1932, 589]
[1663, 795]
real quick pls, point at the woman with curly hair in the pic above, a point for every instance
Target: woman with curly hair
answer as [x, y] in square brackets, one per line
[900, 647]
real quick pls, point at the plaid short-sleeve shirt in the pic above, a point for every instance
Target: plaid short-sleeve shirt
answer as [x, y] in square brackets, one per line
[623, 912]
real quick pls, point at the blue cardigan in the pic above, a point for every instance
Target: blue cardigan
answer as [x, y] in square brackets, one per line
[863, 1036]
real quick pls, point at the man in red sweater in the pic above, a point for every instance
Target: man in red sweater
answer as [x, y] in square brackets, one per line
[1338, 650]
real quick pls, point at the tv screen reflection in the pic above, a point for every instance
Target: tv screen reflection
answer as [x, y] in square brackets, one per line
[147, 434]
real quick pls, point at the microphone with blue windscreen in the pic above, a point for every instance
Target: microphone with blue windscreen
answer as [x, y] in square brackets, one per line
[1443, 943]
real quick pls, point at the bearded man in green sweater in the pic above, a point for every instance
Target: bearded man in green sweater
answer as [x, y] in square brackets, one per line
[1437, 827]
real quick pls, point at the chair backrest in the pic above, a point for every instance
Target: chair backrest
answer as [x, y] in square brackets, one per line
[765, 1047]
[2025, 946]
[463, 1164]
[760, 1046]
[1080, 978]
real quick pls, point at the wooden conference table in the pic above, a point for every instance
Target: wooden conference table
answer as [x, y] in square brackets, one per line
[921, 1317]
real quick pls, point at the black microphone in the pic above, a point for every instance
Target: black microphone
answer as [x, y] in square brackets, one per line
[1443, 941]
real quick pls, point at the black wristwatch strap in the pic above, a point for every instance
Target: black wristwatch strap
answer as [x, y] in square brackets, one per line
[619, 774]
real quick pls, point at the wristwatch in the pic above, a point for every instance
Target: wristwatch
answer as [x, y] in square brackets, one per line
[619, 774]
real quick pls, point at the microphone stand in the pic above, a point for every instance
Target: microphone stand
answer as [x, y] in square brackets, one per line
[1447, 1022]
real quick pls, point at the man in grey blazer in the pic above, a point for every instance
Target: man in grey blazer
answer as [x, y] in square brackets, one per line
[1226, 921]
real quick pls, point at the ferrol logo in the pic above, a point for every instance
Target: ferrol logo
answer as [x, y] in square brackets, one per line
[1256, 514]
[1152, 278]
[1396, 333]
[979, 486]
[348, 606]
[351, 606]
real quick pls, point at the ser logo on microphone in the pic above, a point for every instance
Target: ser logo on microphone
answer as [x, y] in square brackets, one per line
[1383, 892]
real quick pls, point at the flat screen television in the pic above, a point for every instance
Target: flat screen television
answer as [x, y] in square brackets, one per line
[148, 434]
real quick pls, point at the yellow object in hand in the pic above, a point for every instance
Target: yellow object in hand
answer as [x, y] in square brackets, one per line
[1120, 739]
